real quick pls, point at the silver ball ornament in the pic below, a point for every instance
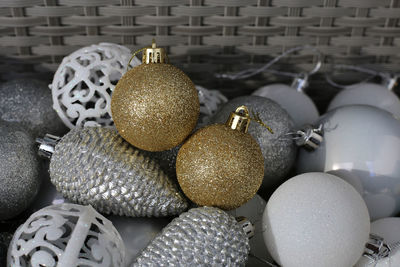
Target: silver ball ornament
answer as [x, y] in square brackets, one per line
[278, 149]
[29, 102]
[19, 170]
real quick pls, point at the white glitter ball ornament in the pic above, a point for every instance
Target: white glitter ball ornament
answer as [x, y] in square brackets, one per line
[84, 81]
[66, 235]
[316, 219]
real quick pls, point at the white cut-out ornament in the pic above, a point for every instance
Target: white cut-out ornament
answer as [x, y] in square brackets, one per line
[84, 81]
[66, 235]
[210, 101]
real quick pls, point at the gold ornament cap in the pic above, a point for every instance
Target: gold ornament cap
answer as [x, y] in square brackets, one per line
[154, 54]
[239, 119]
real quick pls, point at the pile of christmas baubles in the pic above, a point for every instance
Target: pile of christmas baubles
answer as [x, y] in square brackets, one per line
[155, 171]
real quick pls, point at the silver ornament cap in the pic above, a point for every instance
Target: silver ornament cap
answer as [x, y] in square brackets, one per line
[309, 137]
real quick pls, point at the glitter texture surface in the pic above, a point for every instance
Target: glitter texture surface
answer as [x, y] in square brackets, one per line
[155, 106]
[316, 219]
[278, 149]
[29, 102]
[200, 237]
[96, 166]
[19, 170]
[220, 167]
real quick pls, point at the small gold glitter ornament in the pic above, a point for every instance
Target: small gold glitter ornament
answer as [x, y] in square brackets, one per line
[155, 106]
[221, 165]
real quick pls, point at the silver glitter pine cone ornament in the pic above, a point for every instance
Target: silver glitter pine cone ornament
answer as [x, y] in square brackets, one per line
[203, 236]
[96, 166]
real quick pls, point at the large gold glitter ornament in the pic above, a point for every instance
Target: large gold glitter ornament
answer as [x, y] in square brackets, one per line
[155, 106]
[221, 165]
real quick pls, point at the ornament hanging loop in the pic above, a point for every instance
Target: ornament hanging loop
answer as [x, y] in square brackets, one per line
[300, 82]
[239, 119]
[151, 54]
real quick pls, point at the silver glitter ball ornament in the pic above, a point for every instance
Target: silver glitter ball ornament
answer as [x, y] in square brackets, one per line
[29, 102]
[278, 149]
[96, 166]
[19, 169]
[200, 237]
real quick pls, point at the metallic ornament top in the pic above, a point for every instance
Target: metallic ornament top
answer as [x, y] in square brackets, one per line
[279, 151]
[66, 235]
[361, 144]
[221, 165]
[19, 169]
[83, 83]
[28, 102]
[96, 166]
[155, 106]
[200, 237]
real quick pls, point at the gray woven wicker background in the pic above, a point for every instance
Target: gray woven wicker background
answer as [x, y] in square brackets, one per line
[212, 35]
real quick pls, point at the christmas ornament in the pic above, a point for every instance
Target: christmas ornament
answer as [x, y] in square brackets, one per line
[28, 102]
[96, 166]
[66, 235]
[166, 159]
[19, 170]
[299, 106]
[367, 94]
[278, 149]
[253, 211]
[210, 101]
[83, 83]
[383, 249]
[137, 233]
[364, 141]
[5, 239]
[155, 106]
[319, 210]
[221, 165]
[200, 237]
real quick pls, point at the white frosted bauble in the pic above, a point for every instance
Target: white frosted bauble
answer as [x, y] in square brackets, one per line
[365, 142]
[371, 94]
[253, 210]
[316, 219]
[299, 105]
[389, 230]
[137, 233]
[84, 81]
[210, 101]
[66, 235]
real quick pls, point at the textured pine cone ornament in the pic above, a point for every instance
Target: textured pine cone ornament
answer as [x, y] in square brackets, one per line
[96, 166]
[200, 237]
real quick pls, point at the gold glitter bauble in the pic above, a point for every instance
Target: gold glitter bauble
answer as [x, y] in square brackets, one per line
[220, 167]
[155, 106]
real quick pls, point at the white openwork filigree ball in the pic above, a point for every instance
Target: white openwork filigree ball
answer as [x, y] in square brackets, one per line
[66, 235]
[83, 83]
[210, 101]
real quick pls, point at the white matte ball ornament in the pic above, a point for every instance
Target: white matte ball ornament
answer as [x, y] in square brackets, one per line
[316, 219]
[371, 94]
[66, 235]
[299, 105]
[84, 81]
[365, 142]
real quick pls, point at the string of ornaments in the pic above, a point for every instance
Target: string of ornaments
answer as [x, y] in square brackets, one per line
[165, 126]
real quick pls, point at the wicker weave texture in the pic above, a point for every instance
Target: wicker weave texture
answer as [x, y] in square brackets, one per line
[205, 32]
